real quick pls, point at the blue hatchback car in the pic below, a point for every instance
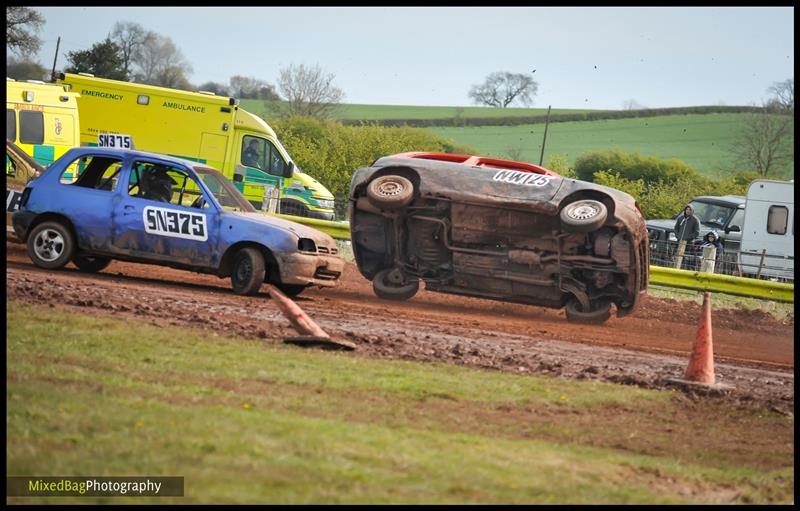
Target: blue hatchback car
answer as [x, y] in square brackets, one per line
[93, 205]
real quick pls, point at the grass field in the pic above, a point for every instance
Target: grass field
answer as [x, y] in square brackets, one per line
[378, 112]
[703, 141]
[249, 421]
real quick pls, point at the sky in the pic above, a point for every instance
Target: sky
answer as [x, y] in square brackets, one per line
[581, 57]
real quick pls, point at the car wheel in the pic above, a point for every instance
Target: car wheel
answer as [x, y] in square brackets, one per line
[291, 290]
[391, 284]
[91, 264]
[390, 192]
[584, 215]
[248, 271]
[50, 245]
[600, 313]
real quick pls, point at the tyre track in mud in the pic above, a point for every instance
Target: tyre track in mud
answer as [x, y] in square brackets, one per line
[753, 351]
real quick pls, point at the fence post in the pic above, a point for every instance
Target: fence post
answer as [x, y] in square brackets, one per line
[761, 263]
[709, 258]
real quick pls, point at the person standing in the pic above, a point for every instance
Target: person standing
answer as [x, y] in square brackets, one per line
[687, 228]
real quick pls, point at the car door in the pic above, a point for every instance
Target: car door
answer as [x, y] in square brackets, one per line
[173, 226]
[86, 192]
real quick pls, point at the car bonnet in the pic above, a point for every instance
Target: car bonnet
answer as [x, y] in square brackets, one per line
[302, 231]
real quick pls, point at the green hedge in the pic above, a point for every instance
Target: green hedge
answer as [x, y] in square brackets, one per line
[331, 152]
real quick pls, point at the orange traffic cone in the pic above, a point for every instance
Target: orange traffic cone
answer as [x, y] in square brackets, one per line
[299, 319]
[311, 333]
[701, 365]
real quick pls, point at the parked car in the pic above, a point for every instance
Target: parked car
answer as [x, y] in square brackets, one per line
[721, 214]
[497, 229]
[20, 168]
[97, 204]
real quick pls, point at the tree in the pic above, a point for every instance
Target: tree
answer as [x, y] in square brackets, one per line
[783, 95]
[26, 69]
[129, 37]
[632, 104]
[247, 87]
[502, 88]
[220, 89]
[309, 91]
[103, 59]
[160, 62]
[765, 140]
[22, 24]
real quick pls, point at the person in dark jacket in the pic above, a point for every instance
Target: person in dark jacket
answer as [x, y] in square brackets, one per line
[687, 229]
[711, 239]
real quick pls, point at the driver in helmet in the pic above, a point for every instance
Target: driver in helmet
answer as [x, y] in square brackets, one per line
[157, 185]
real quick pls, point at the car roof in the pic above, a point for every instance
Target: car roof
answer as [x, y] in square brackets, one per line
[120, 153]
[476, 161]
[739, 200]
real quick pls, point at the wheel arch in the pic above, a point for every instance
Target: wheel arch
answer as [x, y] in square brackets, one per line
[53, 217]
[226, 262]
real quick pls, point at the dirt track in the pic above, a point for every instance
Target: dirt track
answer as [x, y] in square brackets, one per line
[754, 352]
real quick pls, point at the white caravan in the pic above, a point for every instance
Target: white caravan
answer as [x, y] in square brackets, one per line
[768, 229]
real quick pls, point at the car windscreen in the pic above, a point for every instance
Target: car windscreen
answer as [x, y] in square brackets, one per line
[713, 214]
[226, 194]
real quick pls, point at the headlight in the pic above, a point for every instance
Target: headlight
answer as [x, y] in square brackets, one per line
[327, 204]
[672, 237]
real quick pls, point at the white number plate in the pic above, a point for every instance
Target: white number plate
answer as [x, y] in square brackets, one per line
[115, 140]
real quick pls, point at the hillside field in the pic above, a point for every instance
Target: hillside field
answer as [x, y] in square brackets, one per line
[378, 112]
[703, 141]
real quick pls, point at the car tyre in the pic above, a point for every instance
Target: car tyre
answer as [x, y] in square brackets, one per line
[384, 288]
[90, 264]
[599, 314]
[390, 192]
[291, 290]
[248, 271]
[583, 215]
[51, 245]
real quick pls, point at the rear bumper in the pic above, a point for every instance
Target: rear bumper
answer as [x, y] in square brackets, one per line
[21, 221]
[309, 269]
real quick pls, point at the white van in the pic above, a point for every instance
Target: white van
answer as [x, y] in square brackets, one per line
[768, 229]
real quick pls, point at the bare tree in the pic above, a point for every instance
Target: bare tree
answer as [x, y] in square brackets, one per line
[160, 62]
[26, 69]
[502, 88]
[130, 37]
[220, 89]
[783, 95]
[247, 87]
[309, 91]
[766, 140]
[22, 25]
[632, 104]
[514, 152]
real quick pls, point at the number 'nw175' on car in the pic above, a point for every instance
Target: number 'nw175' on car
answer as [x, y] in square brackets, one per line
[94, 205]
[497, 229]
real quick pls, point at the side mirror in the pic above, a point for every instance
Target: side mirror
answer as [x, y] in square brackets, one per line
[733, 228]
[238, 173]
[289, 170]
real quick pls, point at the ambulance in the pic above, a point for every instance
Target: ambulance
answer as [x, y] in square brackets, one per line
[202, 127]
[41, 119]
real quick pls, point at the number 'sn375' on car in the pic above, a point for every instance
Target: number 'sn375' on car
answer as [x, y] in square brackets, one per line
[96, 204]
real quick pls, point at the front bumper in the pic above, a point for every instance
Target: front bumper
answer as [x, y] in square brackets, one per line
[310, 269]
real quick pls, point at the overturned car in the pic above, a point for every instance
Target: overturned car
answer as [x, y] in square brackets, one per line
[497, 229]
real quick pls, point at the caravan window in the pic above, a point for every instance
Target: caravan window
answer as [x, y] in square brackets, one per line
[31, 127]
[777, 219]
[11, 124]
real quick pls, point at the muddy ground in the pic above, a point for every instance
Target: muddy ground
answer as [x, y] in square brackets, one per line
[754, 352]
